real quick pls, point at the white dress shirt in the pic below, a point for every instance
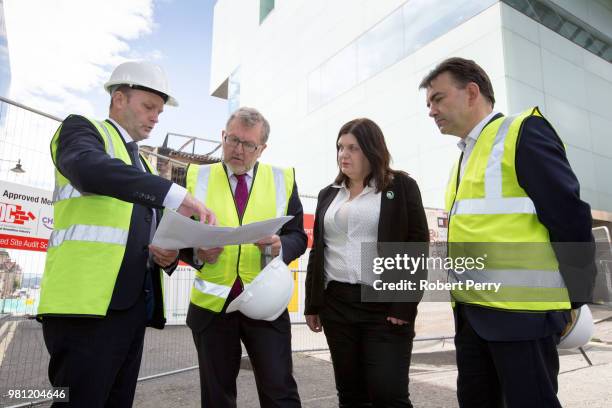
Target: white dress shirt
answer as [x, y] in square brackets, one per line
[176, 194]
[347, 224]
[467, 145]
[234, 181]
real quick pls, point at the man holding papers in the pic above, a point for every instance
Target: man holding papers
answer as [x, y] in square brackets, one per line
[242, 191]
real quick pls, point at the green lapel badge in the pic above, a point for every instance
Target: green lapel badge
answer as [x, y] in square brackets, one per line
[390, 195]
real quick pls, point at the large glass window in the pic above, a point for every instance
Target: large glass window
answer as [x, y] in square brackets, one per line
[339, 73]
[565, 24]
[314, 89]
[404, 31]
[426, 20]
[265, 7]
[381, 46]
[233, 91]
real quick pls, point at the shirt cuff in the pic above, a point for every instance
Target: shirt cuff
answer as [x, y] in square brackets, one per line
[175, 197]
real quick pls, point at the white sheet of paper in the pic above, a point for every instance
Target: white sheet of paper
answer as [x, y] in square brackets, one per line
[176, 231]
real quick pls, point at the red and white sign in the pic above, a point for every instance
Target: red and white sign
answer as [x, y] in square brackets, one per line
[308, 227]
[26, 217]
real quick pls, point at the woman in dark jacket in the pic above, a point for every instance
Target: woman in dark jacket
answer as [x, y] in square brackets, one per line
[370, 342]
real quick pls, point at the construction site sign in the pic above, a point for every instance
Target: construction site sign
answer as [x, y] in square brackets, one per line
[26, 217]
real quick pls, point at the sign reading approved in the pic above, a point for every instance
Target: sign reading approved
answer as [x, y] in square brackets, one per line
[26, 217]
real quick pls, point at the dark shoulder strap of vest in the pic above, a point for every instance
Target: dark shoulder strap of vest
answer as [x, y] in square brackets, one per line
[458, 178]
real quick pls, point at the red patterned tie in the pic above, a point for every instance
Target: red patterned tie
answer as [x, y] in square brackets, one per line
[241, 194]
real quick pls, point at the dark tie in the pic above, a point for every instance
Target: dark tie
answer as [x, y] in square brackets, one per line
[241, 194]
[133, 149]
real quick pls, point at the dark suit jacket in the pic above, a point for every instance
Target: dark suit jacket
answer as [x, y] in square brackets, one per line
[81, 158]
[544, 172]
[293, 242]
[402, 219]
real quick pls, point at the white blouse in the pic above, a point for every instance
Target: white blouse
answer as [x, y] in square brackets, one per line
[347, 224]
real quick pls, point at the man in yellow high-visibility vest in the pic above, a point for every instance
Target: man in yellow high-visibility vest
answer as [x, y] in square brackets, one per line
[242, 190]
[512, 187]
[102, 283]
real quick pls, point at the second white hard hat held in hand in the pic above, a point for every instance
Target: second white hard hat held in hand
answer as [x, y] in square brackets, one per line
[268, 295]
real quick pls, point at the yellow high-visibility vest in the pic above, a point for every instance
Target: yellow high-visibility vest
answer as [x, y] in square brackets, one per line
[490, 207]
[88, 241]
[269, 197]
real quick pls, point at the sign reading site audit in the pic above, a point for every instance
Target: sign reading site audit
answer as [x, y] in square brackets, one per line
[26, 217]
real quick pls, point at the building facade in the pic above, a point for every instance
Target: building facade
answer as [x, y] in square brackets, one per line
[311, 65]
[5, 66]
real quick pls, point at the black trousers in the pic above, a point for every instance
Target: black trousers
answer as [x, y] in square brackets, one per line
[97, 358]
[371, 357]
[513, 374]
[268, 345]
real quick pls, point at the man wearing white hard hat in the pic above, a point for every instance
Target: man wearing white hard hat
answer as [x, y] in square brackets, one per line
[240, 191]
[102, 281]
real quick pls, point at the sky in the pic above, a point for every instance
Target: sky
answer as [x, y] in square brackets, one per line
[62, 52]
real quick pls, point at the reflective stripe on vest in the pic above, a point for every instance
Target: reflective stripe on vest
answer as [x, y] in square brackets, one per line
[524, 278]
[281, 192]
[65, 192]
[91, 233]
[513, 205]
[210, 185]
[489, 186]
[212, 288]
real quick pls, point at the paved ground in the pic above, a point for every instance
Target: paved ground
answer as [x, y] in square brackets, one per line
[432, 378]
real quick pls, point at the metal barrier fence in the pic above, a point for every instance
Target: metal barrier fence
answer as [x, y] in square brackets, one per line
[24, 358]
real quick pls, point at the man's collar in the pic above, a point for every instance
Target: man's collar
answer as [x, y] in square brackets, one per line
[472, 137]
[124, 134]
[230, 173]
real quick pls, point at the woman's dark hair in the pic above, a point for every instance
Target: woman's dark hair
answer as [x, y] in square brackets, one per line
[372, 142]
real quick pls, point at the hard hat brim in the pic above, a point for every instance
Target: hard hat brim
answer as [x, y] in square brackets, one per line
[171, 101]
[246, 303]
[581, 330]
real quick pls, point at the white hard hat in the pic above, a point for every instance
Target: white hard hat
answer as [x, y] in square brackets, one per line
[579, 331]
[268, 295]
[142, 74]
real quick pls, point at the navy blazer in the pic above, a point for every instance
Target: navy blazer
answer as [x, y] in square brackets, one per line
[402, 219]
[293, 242]
[544, 172]
[82, 159]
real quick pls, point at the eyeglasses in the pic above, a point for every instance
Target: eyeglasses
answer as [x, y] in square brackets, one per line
[233, 141]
